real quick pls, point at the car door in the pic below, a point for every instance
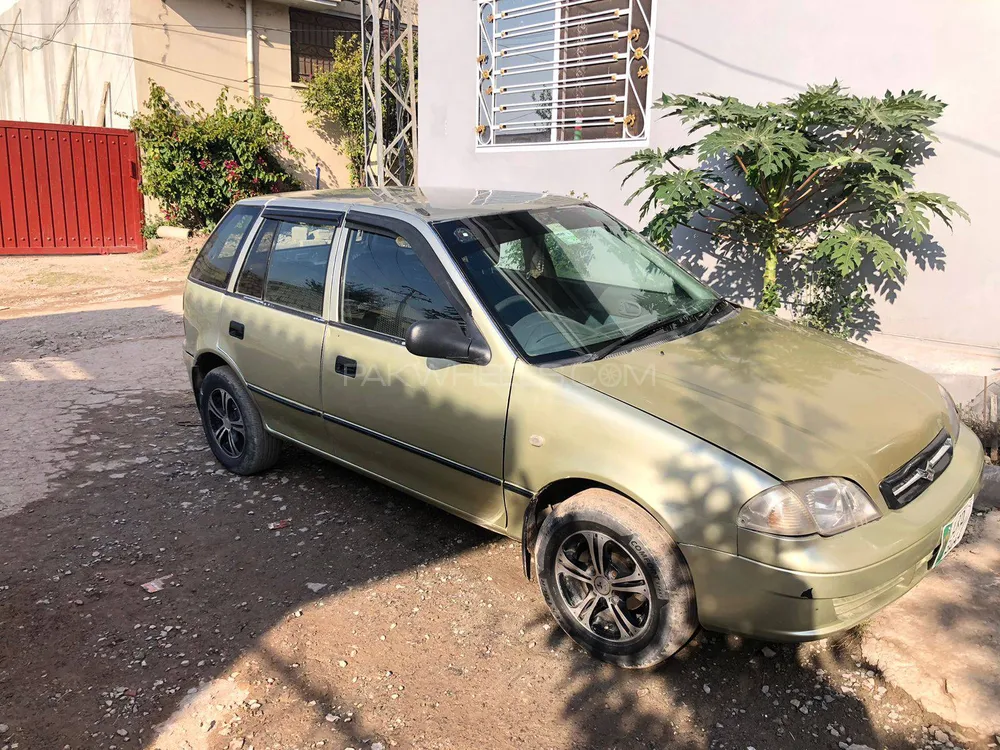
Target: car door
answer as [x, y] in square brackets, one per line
[433, 427]
[273, 324]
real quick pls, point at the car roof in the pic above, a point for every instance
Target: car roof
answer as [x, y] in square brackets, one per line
[428, 203]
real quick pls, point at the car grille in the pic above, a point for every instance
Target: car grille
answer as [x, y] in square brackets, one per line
[907, 482]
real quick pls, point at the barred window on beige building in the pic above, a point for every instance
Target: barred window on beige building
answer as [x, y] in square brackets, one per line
[313, 38]
[563, 71]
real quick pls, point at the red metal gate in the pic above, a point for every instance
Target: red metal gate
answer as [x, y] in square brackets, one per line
[68, 189]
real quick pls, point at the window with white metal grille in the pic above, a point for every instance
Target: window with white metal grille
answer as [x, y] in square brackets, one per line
[563, 71]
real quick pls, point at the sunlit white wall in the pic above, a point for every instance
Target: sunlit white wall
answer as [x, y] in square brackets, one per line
[56, 56]
[763, 52]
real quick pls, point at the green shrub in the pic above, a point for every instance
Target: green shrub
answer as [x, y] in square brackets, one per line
[334, 98]
[197, 165]
[150, 224]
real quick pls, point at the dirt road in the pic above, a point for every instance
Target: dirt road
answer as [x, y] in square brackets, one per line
[356, 626]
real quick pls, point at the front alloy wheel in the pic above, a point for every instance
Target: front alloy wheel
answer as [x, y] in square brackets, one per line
[603, 586]
[614, 579]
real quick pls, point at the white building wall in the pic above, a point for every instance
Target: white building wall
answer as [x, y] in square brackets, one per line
[40, 72]
[760, 52]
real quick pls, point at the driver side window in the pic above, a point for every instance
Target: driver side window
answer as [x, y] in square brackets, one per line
[387, 288]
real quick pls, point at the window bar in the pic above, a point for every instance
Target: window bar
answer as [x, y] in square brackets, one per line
[647, 60]
[600, 80]
[528, 49]
[557, 57]
[584, 101]
[528, 10]
[629, 43]
[537, 28]
[493, 66]
[486, 114]
[539, 67]
[582, 122]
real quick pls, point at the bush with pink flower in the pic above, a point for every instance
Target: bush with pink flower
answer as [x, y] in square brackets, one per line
[198, 163]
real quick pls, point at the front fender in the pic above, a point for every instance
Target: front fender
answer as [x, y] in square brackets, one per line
[559, 429]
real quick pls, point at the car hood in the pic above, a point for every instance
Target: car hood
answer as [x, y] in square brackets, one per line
[793, 401]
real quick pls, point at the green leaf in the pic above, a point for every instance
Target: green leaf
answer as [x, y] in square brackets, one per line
[910, 110]
[847, 248]
[873, 161]
[651, 159]
[765, 149]
[912, 207]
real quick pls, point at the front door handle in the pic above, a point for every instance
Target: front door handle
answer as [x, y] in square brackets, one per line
[345, 366]
[236, 329]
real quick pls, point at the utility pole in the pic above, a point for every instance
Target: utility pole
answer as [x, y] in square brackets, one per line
[251, 66]
[389, 92]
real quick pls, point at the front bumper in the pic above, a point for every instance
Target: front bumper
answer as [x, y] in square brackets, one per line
[762, 599]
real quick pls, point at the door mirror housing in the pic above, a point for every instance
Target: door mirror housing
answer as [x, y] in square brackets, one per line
[445, 339]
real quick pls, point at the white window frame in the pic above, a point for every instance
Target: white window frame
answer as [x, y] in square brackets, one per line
[486, 32]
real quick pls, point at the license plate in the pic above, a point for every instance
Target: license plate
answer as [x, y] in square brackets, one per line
[953, 531]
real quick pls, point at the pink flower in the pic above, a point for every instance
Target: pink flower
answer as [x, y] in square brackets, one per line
[204, 164]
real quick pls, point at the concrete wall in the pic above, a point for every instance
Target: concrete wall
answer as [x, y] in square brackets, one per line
[764, 52]
[39, 71]
[196, 48]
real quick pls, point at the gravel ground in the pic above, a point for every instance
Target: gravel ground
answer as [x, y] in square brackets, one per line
[45, 283]
[370, 621]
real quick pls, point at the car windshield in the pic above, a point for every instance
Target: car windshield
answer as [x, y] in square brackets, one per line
[570, 281]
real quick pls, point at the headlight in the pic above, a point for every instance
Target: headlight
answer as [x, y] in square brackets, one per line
[954, 421]
[825, 506]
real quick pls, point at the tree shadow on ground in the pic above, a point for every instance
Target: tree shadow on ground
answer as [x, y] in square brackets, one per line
[147, 499]
[85, 652]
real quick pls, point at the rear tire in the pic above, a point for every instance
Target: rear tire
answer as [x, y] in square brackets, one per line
[233, 425]
[636, 606]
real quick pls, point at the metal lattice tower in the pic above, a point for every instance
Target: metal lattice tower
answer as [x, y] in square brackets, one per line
[389, 92]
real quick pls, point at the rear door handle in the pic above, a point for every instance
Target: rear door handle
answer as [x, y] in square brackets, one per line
[236, 329]
[345, 366]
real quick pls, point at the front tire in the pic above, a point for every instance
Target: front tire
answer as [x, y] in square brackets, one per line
[233, 425]
[614, 580]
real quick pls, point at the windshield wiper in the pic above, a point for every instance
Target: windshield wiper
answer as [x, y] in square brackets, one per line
[718, 306]
[700, 322]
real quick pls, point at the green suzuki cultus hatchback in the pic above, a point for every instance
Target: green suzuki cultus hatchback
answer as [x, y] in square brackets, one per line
[667, 458]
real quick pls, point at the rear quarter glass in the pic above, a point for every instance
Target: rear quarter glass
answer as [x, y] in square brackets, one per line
[215, 262]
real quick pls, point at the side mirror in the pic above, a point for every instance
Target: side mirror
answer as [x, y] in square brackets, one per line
[445, 339]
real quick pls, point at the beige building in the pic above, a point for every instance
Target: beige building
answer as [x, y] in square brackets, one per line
[89, 62]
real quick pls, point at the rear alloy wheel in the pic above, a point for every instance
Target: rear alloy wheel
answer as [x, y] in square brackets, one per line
[226, 423]
[614, 579]
[233, 426]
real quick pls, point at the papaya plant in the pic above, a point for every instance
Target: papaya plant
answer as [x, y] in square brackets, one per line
[822, 181]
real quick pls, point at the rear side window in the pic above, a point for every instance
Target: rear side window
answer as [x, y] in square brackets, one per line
[296, 271]
[251, 280]
[215, 262]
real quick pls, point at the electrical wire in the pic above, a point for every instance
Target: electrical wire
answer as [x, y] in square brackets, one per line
[150, 25]
[10, 37]
[59, 26]
[187, 71]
